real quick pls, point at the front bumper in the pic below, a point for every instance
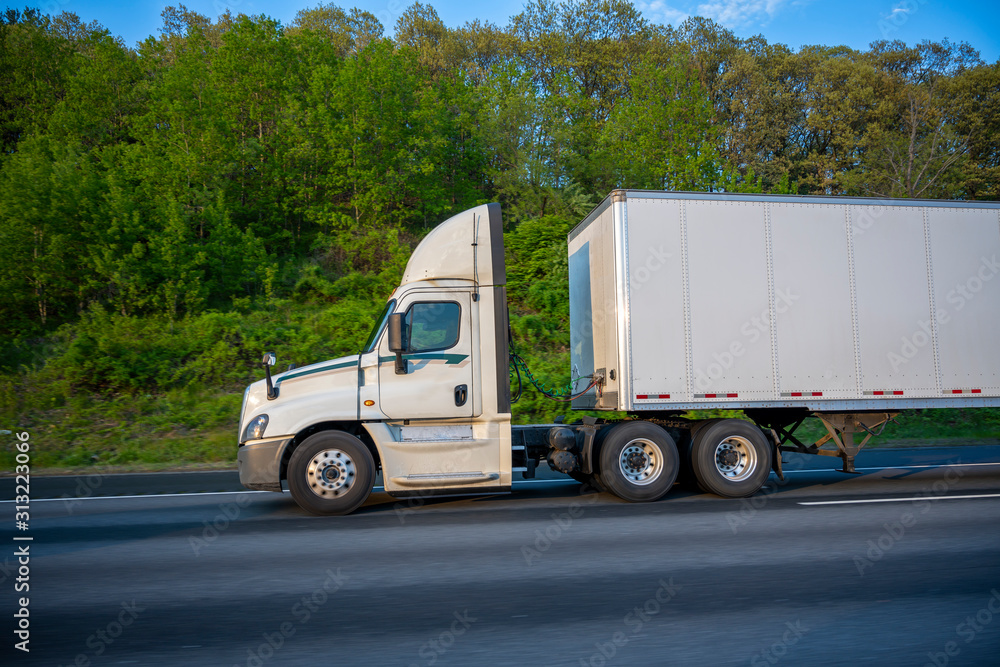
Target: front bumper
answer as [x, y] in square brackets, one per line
[260, 464]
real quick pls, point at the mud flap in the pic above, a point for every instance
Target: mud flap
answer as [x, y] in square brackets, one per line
[776, 455]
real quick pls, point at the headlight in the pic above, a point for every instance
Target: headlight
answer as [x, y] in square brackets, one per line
[255, 429]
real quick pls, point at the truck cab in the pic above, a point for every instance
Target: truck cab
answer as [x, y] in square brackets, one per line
[426, 401]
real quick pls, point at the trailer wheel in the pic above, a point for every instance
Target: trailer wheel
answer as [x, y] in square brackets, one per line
[331, 472]
[731, 458]
[686, 478]
[639, 461]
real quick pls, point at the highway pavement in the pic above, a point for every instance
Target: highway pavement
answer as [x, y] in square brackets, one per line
[899, 565]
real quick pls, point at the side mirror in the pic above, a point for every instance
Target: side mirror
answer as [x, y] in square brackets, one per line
[396, 343]
[269, 360]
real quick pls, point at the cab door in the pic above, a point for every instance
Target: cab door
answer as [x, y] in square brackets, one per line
[439, 339]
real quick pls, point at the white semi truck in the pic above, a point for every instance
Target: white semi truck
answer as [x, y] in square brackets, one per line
[846, 309]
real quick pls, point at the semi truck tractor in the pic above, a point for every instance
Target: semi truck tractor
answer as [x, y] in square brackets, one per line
[782, 307]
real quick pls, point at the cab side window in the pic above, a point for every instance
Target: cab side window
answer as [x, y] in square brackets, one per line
[433, 325]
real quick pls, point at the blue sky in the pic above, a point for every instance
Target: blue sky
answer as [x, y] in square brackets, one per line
[855, 23]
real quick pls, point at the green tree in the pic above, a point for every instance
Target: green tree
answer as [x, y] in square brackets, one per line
[48, 191]
[978, 118]
[920, 151]
[34, 63]
[662, 136]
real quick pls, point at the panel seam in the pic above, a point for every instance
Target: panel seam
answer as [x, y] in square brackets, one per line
[855, 329]
[932, 302]
[686, 291]
[772, 308]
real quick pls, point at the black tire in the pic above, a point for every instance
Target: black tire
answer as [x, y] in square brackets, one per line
[686, 478]
[685, 473]
[331, 472]
[731, 458]
[639, 461]
[591, 480]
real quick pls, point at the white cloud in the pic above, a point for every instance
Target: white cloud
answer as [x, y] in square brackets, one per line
[901, 10]
[732, 14]
[660, 12]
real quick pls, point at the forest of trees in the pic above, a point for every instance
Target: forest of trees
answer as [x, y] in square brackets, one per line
[167, 210]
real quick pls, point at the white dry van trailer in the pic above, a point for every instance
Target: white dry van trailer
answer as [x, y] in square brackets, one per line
[785, 307]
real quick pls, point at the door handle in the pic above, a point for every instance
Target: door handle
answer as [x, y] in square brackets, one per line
[461, 394]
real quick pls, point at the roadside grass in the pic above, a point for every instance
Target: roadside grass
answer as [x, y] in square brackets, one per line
[178, 429]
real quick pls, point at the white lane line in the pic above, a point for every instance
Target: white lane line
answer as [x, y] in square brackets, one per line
[377, 489]
[943, 465]
[145, 495]
[898, 500]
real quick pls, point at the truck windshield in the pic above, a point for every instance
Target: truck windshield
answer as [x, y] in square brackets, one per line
[379, 323]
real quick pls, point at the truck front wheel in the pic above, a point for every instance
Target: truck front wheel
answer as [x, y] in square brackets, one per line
[731, 458]
[331, 472]
[638, 461]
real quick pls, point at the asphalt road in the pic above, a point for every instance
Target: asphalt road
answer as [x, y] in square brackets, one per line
[546, 576]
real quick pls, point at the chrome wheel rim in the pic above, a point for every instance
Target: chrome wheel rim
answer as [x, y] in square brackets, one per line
[641, 462]
[331, 473]
[735, 458]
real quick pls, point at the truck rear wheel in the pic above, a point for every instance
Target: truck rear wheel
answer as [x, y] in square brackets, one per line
[331, 472]
[589, 480]
[686, 478]
[731, 458]
[639, 461]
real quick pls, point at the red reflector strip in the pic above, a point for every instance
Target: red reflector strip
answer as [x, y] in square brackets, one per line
[800, 394]
[963, 391]
[716, 395]
[880, 392]
[640, 397]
